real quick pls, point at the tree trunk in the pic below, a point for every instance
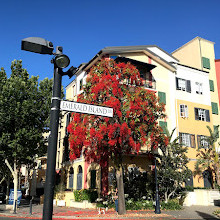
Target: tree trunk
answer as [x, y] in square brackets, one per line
[15, 187]
[8, 189]
[121, 196]
[15, 178]
[166, 197]
[104, 179]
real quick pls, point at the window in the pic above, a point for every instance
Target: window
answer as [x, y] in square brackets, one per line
[202, 114]
[80, 84]
[203, 141]
[198, 88]
[74, 92]
[93, 179]
[162, 97]
[214, 108]
[71, 176]
[211, 85]
[206, 62]
[163, 125]
[183, 111]
[187, 140]
[147, 78]
[183, 84]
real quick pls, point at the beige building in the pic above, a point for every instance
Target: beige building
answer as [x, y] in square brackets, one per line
[184, 80]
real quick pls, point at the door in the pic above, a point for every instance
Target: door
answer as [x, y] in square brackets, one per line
[207, 177]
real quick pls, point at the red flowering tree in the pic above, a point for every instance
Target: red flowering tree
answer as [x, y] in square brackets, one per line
[134, 124]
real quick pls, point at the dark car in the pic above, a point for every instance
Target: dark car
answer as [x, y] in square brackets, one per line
[2, 197]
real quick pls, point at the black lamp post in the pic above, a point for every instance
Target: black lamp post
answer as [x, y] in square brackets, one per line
[157, 197]
[42, 46]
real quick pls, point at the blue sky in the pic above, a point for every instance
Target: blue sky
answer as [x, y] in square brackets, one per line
[84, 27]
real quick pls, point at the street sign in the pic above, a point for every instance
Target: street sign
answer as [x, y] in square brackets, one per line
[86, 108]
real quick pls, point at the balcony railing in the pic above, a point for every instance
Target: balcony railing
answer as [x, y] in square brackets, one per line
[149, 84]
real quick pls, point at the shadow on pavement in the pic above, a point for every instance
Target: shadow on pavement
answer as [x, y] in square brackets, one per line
[206, 216]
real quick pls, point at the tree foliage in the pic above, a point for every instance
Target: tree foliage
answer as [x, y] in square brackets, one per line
[24, 114]
[172, 167]
[136, 111]
[208, 158]
[134, 124]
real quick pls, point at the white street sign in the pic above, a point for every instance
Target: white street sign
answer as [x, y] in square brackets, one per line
[86, 108]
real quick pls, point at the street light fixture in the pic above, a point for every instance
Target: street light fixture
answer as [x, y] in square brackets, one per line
[62, 61]
[156, 152]
[42, 46]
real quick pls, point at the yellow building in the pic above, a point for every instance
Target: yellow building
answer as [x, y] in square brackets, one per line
[184, 81]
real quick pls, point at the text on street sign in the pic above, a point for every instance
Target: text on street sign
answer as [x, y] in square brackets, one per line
[86, 108]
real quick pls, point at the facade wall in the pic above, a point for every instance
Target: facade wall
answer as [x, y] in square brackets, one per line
[217, 68]
[165, 76]
[192, 54]
[189, 54]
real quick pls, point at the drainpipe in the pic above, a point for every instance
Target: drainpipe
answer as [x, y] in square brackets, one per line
[200, 53]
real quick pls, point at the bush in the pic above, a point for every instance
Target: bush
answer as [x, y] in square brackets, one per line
[85, 194]
[139, 205]
[171, 205]
[189, 188]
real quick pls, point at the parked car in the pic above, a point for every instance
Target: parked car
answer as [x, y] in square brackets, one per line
[2, 197]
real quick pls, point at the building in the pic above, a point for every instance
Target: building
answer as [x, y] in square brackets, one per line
[184, 80]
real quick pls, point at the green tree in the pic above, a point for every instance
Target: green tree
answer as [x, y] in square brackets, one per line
[208, 158]
[24, 113]
[172, 167]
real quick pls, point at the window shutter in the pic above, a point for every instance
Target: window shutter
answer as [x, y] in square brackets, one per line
[180, 137]
[216, 130]
[211, 85]
[177, 83]
[188, 86]
[207, 117]
[162, 97]
[199, 141]
[214, 108]
[163, 125]
[206, 62]
[196, 114]
[192, 140]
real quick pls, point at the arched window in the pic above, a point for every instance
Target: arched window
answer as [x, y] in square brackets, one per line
[79, 178]
[71, 177]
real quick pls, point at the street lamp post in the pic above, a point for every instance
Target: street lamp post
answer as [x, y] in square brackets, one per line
[157, 197]
[42, 46]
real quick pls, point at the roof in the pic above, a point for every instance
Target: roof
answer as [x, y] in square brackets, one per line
[196, 38]
[117, 50]
[128, 49]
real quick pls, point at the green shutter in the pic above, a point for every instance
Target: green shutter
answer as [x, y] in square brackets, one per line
[206, 62]
[163, 125]
[214, 108]
[162, 97]
[211, 85]
[216, 130]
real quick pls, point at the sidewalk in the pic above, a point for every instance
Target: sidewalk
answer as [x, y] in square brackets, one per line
[194, 212]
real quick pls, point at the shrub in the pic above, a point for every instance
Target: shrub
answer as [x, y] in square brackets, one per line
[171, 205]
[189, 188]
[138, 205]
[85, 194]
